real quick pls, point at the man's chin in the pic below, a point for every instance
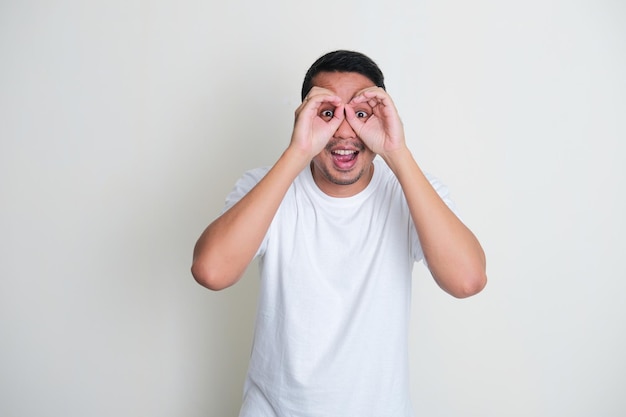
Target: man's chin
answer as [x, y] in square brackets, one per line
[343, 177]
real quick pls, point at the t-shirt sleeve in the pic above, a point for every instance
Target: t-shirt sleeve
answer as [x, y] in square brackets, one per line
[246, 183]
[444, 193]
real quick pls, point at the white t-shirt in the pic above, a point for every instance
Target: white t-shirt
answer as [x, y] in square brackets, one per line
[331, 335]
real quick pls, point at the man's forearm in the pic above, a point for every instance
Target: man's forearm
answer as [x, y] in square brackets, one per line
[454, 255]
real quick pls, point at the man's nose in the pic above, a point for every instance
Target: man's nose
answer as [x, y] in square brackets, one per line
[345, 131]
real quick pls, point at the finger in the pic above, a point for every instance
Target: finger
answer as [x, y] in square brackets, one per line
[312, 104]
[350, 113]
[372, 96]
[378, 99]
[319, 99]
[354, 121]
[338, 116]
[316, 91]
[372, 102]
[370, 92]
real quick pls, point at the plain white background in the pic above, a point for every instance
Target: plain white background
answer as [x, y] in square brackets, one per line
[124, 124]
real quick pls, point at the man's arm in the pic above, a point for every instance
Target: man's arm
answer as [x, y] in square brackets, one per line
[453, 254]
[228, 245]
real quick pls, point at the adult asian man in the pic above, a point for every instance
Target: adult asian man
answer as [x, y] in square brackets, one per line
[337, 230]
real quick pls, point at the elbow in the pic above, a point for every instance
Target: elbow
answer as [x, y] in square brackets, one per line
[210, 277]
[471, 277]
[462, 281]
[470, 284]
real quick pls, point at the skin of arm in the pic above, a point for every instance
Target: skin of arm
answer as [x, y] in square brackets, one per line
[228, 245]
[453, 254]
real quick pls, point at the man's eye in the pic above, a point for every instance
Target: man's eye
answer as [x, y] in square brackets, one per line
[327, 113]
[361, 114]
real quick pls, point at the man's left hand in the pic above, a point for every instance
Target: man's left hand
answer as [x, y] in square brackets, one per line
[374, 118]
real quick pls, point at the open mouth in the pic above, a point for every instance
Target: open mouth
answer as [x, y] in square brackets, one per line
[344, 159]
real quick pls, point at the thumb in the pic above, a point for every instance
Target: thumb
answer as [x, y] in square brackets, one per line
[355, 122]
[338, 117]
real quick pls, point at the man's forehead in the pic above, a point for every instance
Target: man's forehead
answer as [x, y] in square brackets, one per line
[342, 82]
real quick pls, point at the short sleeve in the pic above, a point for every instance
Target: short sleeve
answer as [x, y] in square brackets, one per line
[242, 187]
[444, 194]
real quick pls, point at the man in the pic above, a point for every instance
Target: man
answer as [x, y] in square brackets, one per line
[337, 231]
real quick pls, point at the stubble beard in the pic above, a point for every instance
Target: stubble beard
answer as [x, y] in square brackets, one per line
[326, 172]
[341, 181]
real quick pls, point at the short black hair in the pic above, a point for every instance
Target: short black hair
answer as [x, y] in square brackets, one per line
[343, 61]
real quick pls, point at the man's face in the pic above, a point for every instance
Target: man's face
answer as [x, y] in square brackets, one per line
[344, 167]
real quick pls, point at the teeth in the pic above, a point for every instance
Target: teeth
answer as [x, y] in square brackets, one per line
[343, 152]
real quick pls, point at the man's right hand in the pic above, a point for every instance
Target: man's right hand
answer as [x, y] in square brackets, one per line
[316, 120]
